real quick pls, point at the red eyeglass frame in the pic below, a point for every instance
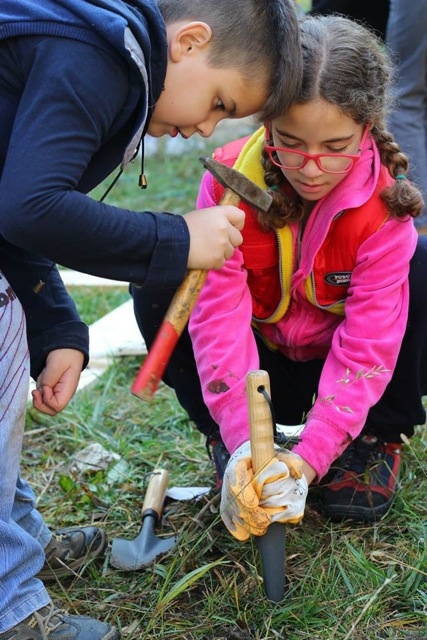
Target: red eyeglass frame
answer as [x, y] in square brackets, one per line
[312, 156]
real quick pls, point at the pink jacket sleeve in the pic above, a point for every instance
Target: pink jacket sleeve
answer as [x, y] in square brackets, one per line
[365, 346]
[222, 312]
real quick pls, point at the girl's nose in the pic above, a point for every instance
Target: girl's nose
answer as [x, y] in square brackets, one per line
[311, 170]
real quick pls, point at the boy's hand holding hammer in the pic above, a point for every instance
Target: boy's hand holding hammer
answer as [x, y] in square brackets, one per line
[214, 234]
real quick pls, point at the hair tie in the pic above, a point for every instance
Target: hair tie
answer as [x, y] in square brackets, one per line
[400, 177]
[274, 187]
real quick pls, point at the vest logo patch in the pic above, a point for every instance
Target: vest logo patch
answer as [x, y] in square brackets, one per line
[338, 278]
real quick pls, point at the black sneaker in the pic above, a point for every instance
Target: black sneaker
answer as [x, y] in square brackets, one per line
[365, 483]
[70, 549]
[55, 624]
[218, 452]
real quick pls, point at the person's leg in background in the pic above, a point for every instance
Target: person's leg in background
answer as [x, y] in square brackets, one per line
[406, 37]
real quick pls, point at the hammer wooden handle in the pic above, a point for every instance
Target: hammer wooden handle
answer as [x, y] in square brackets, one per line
[151, 372]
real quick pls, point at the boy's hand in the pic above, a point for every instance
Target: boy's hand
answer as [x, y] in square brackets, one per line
[58, 381]
[250, 503]
[214, 234]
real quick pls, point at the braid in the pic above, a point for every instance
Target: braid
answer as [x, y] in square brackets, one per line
[402, 198]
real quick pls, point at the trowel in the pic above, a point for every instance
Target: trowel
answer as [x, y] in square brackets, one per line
[147, 547]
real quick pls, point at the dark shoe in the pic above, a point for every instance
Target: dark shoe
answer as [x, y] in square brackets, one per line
[365, 483]
[219, 455]
[53, 624]
[70, 549]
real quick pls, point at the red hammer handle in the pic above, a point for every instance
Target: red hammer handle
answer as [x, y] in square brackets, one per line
[151, 372]
[152, 369]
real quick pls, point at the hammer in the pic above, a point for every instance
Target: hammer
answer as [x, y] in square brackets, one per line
[237, 187]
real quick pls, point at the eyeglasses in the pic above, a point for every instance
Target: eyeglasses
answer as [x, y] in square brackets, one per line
[286, 158]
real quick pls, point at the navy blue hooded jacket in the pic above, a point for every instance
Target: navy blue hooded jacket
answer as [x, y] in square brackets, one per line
[78, 81]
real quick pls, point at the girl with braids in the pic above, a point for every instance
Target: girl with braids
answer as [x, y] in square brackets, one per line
[318, 294]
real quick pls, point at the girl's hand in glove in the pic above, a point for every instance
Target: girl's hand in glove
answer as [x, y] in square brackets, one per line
[277, 493]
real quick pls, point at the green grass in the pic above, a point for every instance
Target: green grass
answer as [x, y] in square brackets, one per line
[340, 576]
[348, 582]
[95, 302]
[172, 180]
[304, 4]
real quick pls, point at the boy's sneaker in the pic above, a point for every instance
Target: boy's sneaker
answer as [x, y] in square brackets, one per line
[54, 624]
[70, 549]
[218, 452]
[365, 482]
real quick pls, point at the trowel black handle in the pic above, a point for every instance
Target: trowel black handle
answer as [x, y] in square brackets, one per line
[155, 495]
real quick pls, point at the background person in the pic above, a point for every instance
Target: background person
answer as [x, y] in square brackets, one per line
[372, 14]
[406, 38]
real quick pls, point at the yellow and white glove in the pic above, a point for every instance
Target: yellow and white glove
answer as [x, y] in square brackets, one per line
[277, 493]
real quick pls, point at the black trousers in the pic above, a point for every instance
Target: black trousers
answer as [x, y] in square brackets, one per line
[293, 384]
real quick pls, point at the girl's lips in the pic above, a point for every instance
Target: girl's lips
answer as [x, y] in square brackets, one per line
[310, 188]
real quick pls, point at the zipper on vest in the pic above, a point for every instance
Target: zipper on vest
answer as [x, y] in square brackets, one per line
[313, 286]
[282, 286]
[317, 303]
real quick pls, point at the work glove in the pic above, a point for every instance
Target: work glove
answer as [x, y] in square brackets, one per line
[251, 502]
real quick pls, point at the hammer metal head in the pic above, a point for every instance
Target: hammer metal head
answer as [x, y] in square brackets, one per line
[240, 184]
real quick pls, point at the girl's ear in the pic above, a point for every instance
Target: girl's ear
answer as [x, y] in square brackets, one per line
[188, 38]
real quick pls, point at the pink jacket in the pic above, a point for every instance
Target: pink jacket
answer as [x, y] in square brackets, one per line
[360, 348]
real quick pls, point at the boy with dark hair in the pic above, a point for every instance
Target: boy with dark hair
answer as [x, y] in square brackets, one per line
[81, 83]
